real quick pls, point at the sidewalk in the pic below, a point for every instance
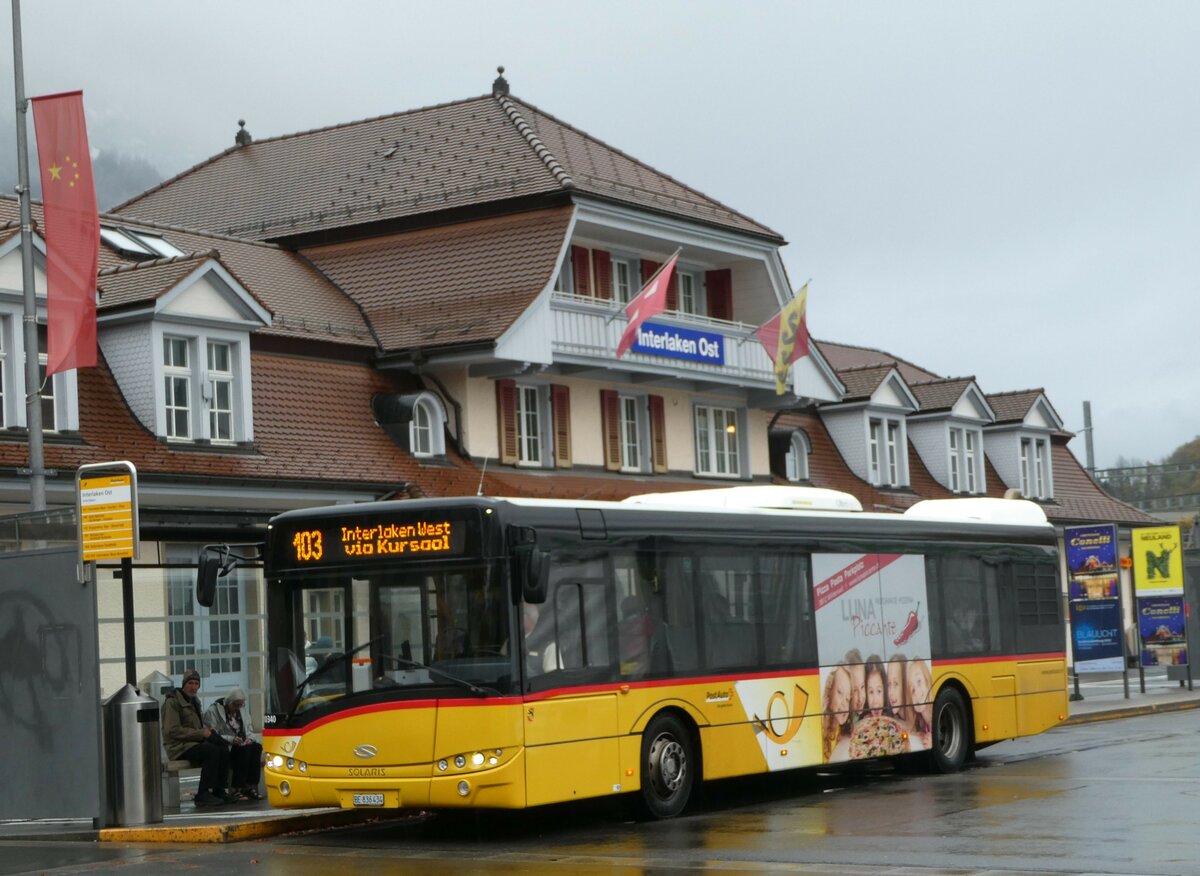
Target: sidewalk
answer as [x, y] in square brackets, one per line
[1103, 700]
[1104, 696]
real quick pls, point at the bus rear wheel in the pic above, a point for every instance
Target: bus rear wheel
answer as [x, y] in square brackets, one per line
[951, 733]
[668, 767]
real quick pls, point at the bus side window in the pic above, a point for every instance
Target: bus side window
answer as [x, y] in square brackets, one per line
[1039, 614]
[784, 594]
[675, 576]
[963, 597]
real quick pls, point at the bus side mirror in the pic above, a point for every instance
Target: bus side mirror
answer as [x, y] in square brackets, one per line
[206, 579]
[532, 571]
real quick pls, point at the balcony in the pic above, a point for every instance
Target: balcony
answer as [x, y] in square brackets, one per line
[587, 330]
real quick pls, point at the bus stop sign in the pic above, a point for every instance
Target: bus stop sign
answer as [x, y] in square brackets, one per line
[106, 493]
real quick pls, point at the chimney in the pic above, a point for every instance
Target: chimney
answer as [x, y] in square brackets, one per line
[500, 86]
[242, 137]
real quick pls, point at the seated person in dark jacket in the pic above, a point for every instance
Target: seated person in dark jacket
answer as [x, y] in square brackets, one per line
[186, 738]
[231, 719]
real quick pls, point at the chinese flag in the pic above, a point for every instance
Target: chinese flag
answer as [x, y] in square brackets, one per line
[785, 337]
[72, 228]
[651, 301]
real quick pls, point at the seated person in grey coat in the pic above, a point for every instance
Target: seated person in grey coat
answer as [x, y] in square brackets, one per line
[230, 718]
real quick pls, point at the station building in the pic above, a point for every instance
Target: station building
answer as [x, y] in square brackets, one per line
[428, 303]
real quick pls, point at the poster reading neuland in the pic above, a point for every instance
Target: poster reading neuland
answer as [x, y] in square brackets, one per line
[873, 644]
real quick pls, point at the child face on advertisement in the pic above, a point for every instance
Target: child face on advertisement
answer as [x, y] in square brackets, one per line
[839, 705]
[875, 693]
[895, 684]
[858, 698]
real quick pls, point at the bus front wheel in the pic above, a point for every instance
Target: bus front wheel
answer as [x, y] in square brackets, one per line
[668, 767]
[951, 734]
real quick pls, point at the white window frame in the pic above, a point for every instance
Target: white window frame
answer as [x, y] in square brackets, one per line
[963, 445]
[795, 461]
[200, 383]
[177, 375]
[955, 441]
[64, 386]
[215, 379]
[428, 422]
[631, 425]
[971, 443]
[689, 292]
[623, 289]
[1035, 471]
[530, 417]
[717, 454]
[887, 451]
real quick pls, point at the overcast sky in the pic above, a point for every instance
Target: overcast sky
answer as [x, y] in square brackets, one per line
[1007, 190]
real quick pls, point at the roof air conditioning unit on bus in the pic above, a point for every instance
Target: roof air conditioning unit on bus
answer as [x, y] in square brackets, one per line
[982, 508]
[776, 498]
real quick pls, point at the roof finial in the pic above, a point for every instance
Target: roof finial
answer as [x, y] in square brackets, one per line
[242, 137]
[500, 86]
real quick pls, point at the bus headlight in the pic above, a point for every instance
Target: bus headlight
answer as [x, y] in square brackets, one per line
[303, 767]
[276, 762]
[460, 761]
[443, 765]
[464, 788]
[285, 789]
[291, 763]
[477, 759]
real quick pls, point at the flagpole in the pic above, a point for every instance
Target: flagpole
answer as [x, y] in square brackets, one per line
[33, 395]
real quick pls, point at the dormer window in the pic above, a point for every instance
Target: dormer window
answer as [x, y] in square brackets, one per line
[203, 404]
[885, 450]
[796, 458]
[426, 434]
[964, 460]
[1035, 468]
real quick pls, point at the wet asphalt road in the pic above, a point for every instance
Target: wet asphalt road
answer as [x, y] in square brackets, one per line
[1114, 797]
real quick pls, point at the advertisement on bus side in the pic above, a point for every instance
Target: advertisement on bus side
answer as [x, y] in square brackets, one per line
[873, 646]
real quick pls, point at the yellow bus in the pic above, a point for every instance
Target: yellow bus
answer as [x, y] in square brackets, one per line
[506, 653]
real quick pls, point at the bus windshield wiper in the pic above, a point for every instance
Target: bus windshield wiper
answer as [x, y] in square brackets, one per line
[462, 682]
[331, 660]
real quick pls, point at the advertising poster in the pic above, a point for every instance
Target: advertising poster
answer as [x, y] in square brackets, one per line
[782, 714]
[1092, 561]
[1157, 561]
[1096, 635]
[873, 645]
[1162, 624]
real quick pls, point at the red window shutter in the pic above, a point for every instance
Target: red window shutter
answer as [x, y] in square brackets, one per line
[560, 409]
[506, 416]
[658, 434]
[581, 266]
[610, 419]
[648, 269]
[719, 286]
[602, 264]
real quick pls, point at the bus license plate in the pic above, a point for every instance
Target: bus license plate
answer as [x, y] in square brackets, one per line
[368, 799]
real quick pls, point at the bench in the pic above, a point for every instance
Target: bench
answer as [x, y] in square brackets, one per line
[172, 772]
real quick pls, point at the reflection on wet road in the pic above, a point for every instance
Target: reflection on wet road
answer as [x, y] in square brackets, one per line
[1117, 797]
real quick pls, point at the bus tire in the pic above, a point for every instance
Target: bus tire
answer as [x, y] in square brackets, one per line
[951, 732]
[669, 767]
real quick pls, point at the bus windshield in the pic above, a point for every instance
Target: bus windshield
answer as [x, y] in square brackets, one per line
[391, 629]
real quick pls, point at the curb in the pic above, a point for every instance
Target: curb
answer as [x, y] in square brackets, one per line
[1130, 712]
[241, 831]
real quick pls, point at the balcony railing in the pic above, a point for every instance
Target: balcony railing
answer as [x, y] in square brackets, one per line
[587, 330]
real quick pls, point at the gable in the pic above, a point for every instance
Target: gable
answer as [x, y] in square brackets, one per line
[971, 406]
[1042, 416]
[893, 393]
[204, 298]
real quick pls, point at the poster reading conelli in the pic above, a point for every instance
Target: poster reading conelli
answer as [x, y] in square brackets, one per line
[873, 645]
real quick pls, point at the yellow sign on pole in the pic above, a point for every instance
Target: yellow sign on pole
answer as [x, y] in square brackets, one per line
[107, 514]
[1157, 561]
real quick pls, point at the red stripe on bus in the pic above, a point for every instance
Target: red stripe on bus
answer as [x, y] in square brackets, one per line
[1004, 658]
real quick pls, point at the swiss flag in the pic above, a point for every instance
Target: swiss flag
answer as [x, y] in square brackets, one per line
[651, 301]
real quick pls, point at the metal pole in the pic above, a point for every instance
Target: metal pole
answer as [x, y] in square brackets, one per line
[1087, 437]
[127, 610]
[33, 395]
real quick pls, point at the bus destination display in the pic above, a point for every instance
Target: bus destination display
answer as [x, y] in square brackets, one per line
[377, 540]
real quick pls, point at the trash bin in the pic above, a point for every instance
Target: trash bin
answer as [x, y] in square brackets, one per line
[132, 758]
[155, 685]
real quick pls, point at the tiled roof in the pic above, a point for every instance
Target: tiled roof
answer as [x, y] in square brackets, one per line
[599, 169]
[861, 383]
[1077, 498]
[335, 440]
[940, 395]
[1013, 407]
[453, 284]
[304, 305]
[843, 356]
[462, 154]
[131, 284]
